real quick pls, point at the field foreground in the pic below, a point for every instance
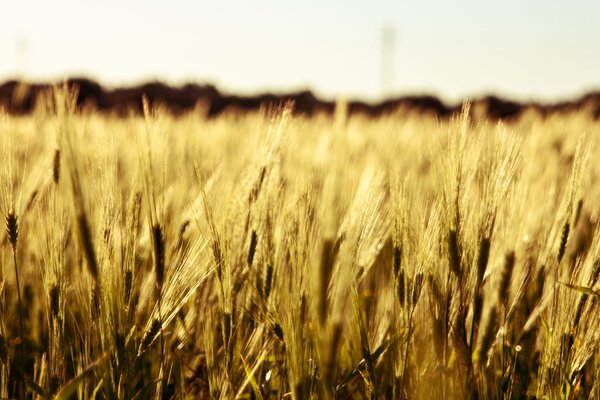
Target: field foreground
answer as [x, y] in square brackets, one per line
[276, 256]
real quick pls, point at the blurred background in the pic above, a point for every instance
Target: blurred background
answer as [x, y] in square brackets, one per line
[522, 49]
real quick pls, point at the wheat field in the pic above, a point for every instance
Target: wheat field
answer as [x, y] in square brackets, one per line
[275, 256]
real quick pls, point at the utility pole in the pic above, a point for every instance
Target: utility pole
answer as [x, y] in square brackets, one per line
[388, 44]
[21, 57]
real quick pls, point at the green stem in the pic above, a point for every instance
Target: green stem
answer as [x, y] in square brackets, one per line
[22, 352]
[404, 368]
[162, 342]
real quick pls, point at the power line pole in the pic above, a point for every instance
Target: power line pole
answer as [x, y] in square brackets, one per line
[388, 44]
[21, 56]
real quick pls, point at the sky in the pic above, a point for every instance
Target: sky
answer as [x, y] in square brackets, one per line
[525, 49]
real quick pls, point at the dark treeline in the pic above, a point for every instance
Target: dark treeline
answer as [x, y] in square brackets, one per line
[18, 98]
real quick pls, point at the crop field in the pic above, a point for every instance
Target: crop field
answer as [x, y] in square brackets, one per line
[270, 255]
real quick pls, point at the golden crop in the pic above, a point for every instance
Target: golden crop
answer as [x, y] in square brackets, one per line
[277, 256]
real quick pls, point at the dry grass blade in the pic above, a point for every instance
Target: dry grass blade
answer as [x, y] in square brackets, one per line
[70, 388]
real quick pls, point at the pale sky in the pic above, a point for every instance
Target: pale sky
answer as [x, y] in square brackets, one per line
[526, 49]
